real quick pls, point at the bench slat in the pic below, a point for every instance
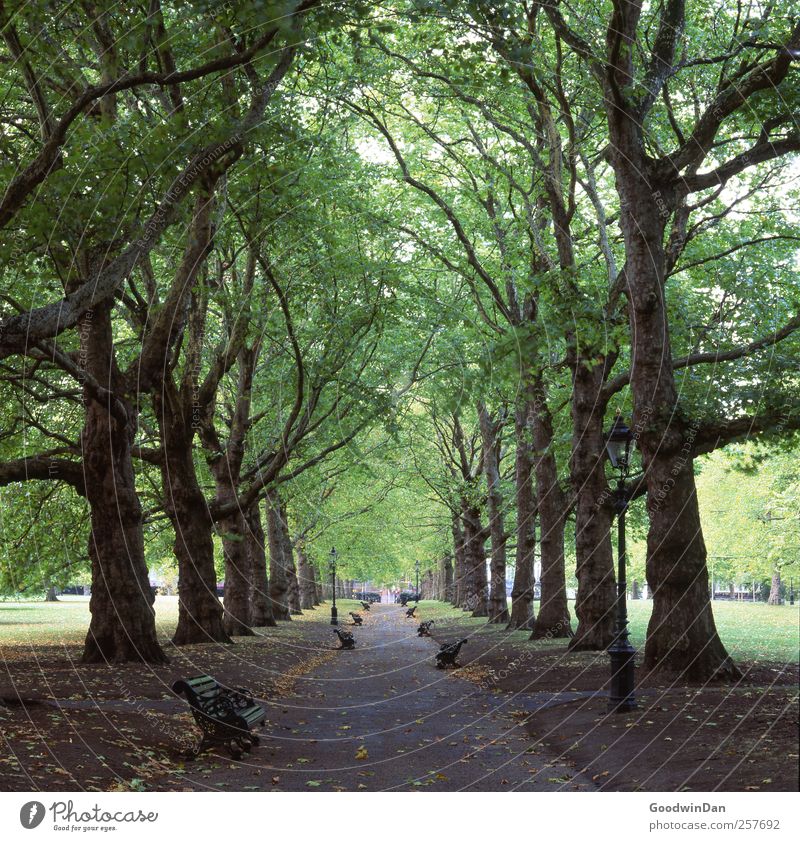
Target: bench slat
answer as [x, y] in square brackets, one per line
[254, 716]
[202, 684]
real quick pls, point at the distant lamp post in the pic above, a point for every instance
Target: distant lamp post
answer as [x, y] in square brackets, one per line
[619, 440]
[416, 569]
[332, 570]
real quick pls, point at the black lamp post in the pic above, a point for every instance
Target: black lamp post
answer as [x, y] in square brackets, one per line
[416, 569]
[618, 444]
[332, 570]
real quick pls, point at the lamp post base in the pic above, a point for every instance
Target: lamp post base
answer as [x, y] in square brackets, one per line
[622, 698]
[334, 616]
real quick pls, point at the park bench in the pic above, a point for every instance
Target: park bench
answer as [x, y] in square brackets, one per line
[365, 605]
[226, 717]
[447, 654]
[424, 629]
[346, 639]
[357, 620]
[410, 612]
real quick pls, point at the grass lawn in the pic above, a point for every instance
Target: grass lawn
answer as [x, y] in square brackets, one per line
[26, 624]
[751, 632]
[65, 622]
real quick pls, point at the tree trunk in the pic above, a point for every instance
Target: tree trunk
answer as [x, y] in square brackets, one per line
[775, 588]
[318, 595]
[200, 614]
[446, 594]
[226, 464]
[305, 574]
[682, 636]
[50, 594]
[261, 605]
[293, 597]
[594, 605]
[522, 617]
[294, 585]
[477, 585]
[122, 625]
[553, 619]
[635, 591]
[278, 562]
[237, 601]
[490, 435]
[460, 583]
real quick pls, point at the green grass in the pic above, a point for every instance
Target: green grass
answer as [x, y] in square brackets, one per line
[65, 622]
[26, 624]
[751, 632]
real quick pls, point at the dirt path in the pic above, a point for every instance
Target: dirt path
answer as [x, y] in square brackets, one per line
[520, 716]
[383, 718]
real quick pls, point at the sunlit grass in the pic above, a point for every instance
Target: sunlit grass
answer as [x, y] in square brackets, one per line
[751, 632]
[66, 621]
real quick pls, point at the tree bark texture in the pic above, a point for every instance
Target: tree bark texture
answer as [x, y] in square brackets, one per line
[446, 590]
[477, 585]
[775, 588]
[522, 616]
[490, 435]
[681, 637]
[122, 625]
[261, 606]
[278, 562]
[305, 575]
[553, 620]
[460, 571]
[594, 511]
[200, 614]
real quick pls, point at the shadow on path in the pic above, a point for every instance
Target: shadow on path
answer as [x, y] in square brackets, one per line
[382, 718]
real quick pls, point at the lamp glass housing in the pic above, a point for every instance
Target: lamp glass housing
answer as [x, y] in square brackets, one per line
[618, 444]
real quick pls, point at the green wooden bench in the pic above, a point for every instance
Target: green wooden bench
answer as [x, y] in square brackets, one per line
[225, 716]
